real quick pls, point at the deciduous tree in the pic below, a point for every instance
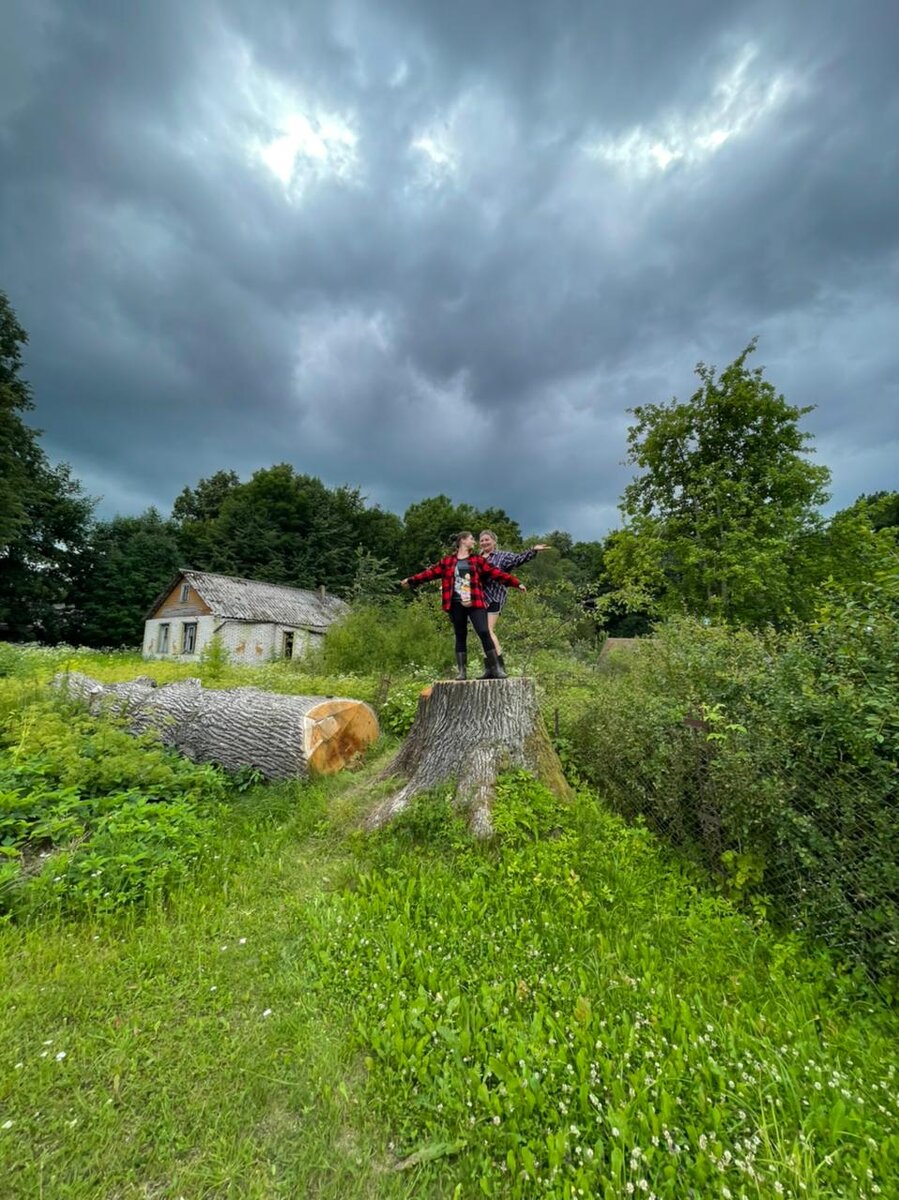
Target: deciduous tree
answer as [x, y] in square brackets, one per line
[724, 498]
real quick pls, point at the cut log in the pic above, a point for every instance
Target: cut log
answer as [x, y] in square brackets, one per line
[470, 732]
[280, 736]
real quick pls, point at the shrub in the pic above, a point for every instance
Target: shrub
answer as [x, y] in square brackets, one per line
[774, 757]
[385, 638]
[92, 819]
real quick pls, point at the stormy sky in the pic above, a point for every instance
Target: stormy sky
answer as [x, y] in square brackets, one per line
[423, 247]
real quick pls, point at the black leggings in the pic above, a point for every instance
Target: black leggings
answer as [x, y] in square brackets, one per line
[460, 616]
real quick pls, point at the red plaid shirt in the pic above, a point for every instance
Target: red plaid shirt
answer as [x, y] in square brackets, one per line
[445, 571]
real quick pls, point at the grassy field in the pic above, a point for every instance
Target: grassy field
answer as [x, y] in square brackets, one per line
[305, 1012]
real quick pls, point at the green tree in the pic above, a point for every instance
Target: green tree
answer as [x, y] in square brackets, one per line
[429, 525]
[131, 559]
[724, 499]
[44, 513]
[195, 513]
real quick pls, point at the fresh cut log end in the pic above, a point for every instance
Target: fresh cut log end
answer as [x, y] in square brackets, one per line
[336, 732]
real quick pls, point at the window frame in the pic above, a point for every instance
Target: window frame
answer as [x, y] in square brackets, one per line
[185, 593]
[192, 626]
[163, 637]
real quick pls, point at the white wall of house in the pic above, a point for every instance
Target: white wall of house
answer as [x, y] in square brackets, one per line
[246, 642]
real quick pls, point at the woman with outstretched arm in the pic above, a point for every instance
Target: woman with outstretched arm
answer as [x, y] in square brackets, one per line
[461, 574]
[494, 592]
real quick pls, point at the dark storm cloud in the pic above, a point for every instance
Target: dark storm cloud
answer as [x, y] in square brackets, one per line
[420, 247]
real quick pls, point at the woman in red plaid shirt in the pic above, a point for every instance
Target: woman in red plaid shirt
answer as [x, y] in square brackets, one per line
[463, 599]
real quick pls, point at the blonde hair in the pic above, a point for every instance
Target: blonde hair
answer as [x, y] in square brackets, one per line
[488, 533]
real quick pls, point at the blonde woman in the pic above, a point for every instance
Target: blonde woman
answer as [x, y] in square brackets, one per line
[494, 590]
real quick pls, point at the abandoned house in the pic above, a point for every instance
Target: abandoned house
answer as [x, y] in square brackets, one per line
[255, 621]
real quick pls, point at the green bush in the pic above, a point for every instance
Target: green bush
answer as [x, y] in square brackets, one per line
[92, 819]
[775, 757]
[381, 639]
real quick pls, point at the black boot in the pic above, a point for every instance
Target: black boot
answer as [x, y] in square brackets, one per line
[494, 669]
[501, 661]
[462, 664]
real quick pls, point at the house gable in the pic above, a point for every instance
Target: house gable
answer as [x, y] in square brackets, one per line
[171, 604]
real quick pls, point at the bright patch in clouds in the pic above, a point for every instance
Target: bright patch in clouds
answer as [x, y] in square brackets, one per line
[738, 102]
[317, 147]
[296, 139]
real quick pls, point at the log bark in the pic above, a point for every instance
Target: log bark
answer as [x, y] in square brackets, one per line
[280, 736]
[471, 731]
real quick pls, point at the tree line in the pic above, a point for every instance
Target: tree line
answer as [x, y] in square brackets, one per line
[723, 519]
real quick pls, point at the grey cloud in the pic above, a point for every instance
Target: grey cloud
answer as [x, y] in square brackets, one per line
[479, 330]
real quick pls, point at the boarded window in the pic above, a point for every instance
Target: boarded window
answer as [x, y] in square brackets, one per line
[162, 640]
[188, 637]
[287, 649]
[185, 592]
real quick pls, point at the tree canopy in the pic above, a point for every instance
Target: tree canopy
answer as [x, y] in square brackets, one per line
[724, 500]
[44, 513]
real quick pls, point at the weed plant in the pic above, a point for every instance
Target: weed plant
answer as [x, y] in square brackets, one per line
[569, 1015]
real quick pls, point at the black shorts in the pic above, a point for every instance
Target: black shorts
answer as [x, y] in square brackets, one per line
[494, 607]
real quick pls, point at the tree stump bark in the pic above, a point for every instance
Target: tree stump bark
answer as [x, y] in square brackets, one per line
[280, 736]
[471, 731]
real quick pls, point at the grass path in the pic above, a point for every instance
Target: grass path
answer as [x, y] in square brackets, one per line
[186, 1054]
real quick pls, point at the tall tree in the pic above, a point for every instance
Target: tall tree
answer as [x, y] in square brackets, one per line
[131, 561]
[44, 513]
[724, 498]
[428, 526]
[195, 513]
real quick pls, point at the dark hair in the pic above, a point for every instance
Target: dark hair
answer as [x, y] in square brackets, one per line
[457, 537]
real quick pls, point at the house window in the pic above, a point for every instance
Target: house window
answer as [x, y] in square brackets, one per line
[185, 592]
[188, 637]
[287, 651]
[162, 640]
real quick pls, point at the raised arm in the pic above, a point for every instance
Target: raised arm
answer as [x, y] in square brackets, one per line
[504, 559]
[434, 571]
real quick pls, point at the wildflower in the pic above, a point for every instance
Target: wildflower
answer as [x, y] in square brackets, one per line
[267, 1012]
[241, 941]
[60, 1056]
[19, 1066]
[7, 1125]
[496, 1120]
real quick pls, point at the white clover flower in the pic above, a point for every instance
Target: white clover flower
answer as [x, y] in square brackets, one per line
[60, 1056]
[267, 1012]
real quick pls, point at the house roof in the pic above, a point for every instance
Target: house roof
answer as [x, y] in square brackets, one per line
[250, 600]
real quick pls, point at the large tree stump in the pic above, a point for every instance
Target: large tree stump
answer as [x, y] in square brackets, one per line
[470, 731]
[279, 736]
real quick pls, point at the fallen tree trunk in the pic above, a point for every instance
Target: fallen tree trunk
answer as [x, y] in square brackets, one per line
[471, 731]
[279, 736]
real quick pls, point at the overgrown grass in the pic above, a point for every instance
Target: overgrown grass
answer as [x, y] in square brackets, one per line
[571, 1015]
[310, 1012]
[184, 1051]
